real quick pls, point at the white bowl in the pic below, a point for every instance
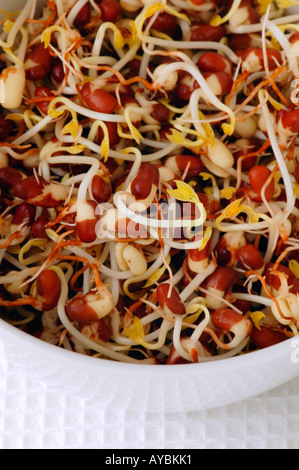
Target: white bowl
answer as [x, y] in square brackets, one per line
[149, 388]
[152, 388]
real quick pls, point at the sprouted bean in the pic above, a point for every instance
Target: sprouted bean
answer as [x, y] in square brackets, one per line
[149, 176]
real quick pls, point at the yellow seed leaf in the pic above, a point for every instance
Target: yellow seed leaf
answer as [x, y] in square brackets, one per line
[135, 332]
[184, 192]
[256, 317]
[227, 193]
[156, 274]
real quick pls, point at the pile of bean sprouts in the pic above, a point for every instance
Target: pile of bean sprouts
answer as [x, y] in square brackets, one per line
[149, 172]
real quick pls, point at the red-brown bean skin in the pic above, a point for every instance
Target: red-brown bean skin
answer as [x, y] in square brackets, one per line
[247, 163]
[79, 310]
[206, 32]
[265, 337]
[249, 257]
[101, 189]
[258, 176]
[9, 177]
[225, 318]
[239, 41]
[160, 113]
[110, 9]
[222, 252]
[165, 22]
[274, 281]
[225, 80]
[6, 127]
[272, 56]
[83, 16]
[57, 71]
[141, 185]
[30, 189]
[86, 229]
[24, 213]
[200, 255]
[223, 278]
[49, 288]
[39, 227]
[40, 92]
[42, 58]
[98, 100]
[173, 302]
[175, 358]
[195, 164]
[294, 38]
[297, 172]
[289, 119]
[214, 62]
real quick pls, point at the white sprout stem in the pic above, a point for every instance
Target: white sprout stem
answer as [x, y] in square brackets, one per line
[74, 11]
[280, 160]
[202, 325]
[17, 25]
[94, 166]
[114, 280]
[201, 81]
[76, 333]
[197, 280]
[257, 27]
[135, 167]
[33, 131]
[278, 34]
[233, 352]
[177, 338]
[258, 299]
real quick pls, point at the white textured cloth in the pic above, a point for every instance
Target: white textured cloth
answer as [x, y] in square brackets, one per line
[34, 417]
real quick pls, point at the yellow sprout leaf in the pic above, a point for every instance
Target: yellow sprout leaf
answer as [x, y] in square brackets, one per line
[135, 332]
[227, 193]
[264, 5]
[156, 274]
[184, 192]
[296, 190]
[71, 128]
[256, 317]
[294, 267]
[7, 26]
[46, 35]
[227, 128]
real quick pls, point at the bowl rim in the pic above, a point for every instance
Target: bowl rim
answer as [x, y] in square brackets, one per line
[78, 360]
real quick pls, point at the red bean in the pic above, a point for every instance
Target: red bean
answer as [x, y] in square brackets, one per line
[101, 189]
[24, 214]
[226, 318]
[249, 257]
[199, 255]
[289, 119]
[9, 177]
[98, 100]
[83, 16]
[160, 113]
[6, 127]
[179, 163]
[273, 58]
[86, 227]
[265, 337]
[258, 176]
[173, 303]
[141, 185]
[49, 288]
[221, 279]
[34, 190]
[294, 38]
[79, 310]
[39, 226]
[239, 41]
[206, 32]
[165, 22]
[38, 64]
[57, 71]
[220, 82]
[222, 252]
[214, 62]
[110, 9]
[273, 280]
[297, 172]
[40, 92]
